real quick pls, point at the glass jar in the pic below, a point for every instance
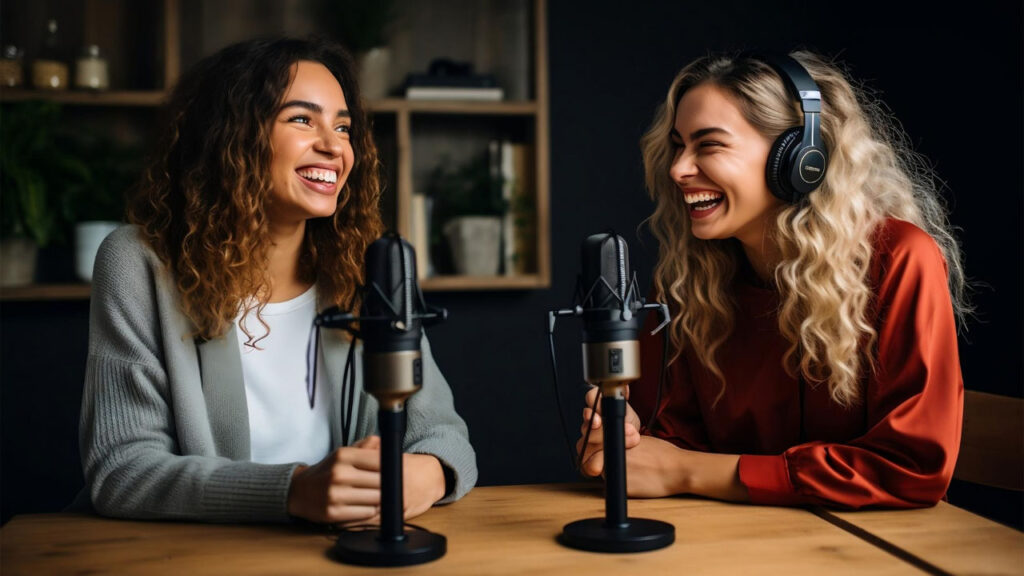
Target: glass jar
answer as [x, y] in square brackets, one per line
[91, 70]
[11, 69]
[49, 71]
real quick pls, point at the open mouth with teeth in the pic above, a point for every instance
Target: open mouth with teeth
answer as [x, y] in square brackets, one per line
[702, 202]
[318, 175]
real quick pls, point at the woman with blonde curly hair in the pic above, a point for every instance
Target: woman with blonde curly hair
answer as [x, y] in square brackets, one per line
[204, 398]
[815, 289]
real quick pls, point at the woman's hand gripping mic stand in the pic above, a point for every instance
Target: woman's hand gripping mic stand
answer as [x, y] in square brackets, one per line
[390, 323]
[611, 360]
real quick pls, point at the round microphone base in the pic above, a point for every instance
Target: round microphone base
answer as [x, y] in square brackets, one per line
[636, 535]
[365, 548]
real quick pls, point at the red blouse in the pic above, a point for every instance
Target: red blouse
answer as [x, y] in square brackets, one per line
[897, 448]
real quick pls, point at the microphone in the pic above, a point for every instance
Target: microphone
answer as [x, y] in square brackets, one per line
[391, 321]
[611, 349]
[607, 300]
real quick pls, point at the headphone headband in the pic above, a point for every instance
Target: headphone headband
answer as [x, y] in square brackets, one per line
[798, 158]
[796, 78]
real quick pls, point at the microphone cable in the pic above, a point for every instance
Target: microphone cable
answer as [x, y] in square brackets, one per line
[558, 397]
[576, 457]
[348, 379]
[590, 426]
[661, 383]
[348, 391]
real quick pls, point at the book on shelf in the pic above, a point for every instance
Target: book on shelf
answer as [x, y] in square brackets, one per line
[515, 165]
[493, 94]
[453, 87]
[420, 233]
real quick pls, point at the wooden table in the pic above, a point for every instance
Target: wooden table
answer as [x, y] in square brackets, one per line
[943, 539]
[512, 529]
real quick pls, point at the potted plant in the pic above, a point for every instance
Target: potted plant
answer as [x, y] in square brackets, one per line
[36, 170]
[363, 27]
[468, 211]
[96, 207]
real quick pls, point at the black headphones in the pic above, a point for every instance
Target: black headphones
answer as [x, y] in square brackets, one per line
[798, 159]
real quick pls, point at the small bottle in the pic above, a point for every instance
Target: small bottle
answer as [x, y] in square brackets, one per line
[91, 70]
[49, 71]
[11, 70]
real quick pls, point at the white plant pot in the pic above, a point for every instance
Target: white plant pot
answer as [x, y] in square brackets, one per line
[17, 261]
[374, 70]
[88, 237]
[476, 244]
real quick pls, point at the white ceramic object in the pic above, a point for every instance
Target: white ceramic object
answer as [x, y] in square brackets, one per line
[475, 243]
[88, 237]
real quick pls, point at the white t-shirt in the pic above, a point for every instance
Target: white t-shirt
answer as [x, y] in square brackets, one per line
[282, 427]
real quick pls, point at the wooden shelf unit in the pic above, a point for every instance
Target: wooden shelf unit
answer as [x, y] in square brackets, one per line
[40, 292]
[141, 98]
[533, 111]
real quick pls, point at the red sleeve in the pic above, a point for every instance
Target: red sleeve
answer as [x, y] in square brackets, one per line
[914, 400]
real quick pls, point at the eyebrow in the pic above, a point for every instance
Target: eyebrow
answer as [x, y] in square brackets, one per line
[699, 133]
[705, 131]
[314, 107]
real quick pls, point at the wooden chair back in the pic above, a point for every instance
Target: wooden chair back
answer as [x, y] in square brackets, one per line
[992, 444]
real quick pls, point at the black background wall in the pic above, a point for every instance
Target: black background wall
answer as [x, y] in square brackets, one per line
[952, 75]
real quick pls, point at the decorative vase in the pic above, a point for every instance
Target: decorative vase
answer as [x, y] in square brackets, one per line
[88, 237]
[476, 244]
[17, 261]
[374, 68]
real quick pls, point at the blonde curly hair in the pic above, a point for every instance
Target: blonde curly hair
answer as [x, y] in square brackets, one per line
[825, 240]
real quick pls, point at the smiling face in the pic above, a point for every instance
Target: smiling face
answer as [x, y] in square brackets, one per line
[312, 152]
[719, 167]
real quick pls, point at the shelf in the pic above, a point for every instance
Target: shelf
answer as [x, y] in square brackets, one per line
[45, 292]
[155, 98]
[446, 283]
[508, 37]
[113, 98]
[400, 105]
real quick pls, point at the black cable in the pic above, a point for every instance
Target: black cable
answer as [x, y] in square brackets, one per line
[311, 363]
[334, 529]
[575, 458]
[348, 392]
[558, 400]
[661, 382]
[590, 426]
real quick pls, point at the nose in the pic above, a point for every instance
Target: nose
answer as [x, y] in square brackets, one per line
[329, 142]
[683, 166]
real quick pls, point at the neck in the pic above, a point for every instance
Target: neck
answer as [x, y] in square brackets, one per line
[285, 276]
[763, 257]
[760, 247]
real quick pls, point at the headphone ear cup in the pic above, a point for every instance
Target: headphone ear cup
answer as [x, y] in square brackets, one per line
[780, 161]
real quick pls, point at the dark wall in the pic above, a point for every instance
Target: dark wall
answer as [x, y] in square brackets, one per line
[952, 75]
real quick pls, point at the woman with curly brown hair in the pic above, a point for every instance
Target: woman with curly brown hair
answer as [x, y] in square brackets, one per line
[815, 287]
[199, 401]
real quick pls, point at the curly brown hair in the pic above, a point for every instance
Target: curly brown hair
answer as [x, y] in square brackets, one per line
[202, 202]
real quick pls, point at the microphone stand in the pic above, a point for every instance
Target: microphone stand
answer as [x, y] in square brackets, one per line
[391, 377]
[390, 544]
[612, 366]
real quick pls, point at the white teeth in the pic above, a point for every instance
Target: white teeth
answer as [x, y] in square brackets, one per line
[329, 176]
[695, 197]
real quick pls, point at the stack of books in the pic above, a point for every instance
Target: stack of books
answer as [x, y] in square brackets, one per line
[453, 87]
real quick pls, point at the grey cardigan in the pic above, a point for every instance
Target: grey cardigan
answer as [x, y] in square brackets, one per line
[164, 429]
